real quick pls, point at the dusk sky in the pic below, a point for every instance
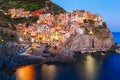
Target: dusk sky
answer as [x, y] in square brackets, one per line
[109, 9]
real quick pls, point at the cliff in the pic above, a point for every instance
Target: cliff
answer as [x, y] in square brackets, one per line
[94, 38]
[89, 43]
[80, 30]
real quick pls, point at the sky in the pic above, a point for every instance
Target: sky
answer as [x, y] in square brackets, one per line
[109, 9]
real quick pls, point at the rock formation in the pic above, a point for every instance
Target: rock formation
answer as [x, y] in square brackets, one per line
[101, 40]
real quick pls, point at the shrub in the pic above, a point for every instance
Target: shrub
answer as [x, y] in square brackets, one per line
[104, 24]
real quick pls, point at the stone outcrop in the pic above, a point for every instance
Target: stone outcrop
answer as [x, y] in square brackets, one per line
[10, 60]
[86, 42]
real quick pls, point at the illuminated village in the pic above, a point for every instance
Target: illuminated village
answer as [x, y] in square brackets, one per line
[53, 29]
[56, 30]
[41, 32]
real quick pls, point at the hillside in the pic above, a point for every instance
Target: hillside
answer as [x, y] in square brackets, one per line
[28, 5]
[46, 22]
[31, 5]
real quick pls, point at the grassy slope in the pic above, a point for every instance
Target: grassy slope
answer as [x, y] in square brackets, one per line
[28, 5]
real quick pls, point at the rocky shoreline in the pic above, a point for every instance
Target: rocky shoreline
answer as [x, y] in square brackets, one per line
[10, 53]
[10, 60]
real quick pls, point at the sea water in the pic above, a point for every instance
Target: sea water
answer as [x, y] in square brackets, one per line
[95, 67]
[116, 36]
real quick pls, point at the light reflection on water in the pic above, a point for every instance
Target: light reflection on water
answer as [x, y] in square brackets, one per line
[93, 68]
[48, 72]
[90, 67]
[26, 73]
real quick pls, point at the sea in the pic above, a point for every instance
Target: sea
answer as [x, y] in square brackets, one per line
[116, 36]
[95, 67]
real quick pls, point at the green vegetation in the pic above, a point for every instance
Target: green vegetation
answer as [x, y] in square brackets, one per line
[91, 21]
[4, 37]
[30, 5]
[56, 9]
[104, 24]
[22, 20]
[99, 28]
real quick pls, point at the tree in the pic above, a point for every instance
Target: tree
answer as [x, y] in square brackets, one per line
[104, 24]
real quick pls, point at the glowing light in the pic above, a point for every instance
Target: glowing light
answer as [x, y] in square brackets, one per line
[90, 68]
[21, 39]
[5, 13]
[34, 45]
[56, 37]
[48, 72]
[91, 32]
[2, 40]
[25, 32]
[95, 19]
[38, 21]
[32, 40]
[43, 39]
[84, 17]
[26, 73]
